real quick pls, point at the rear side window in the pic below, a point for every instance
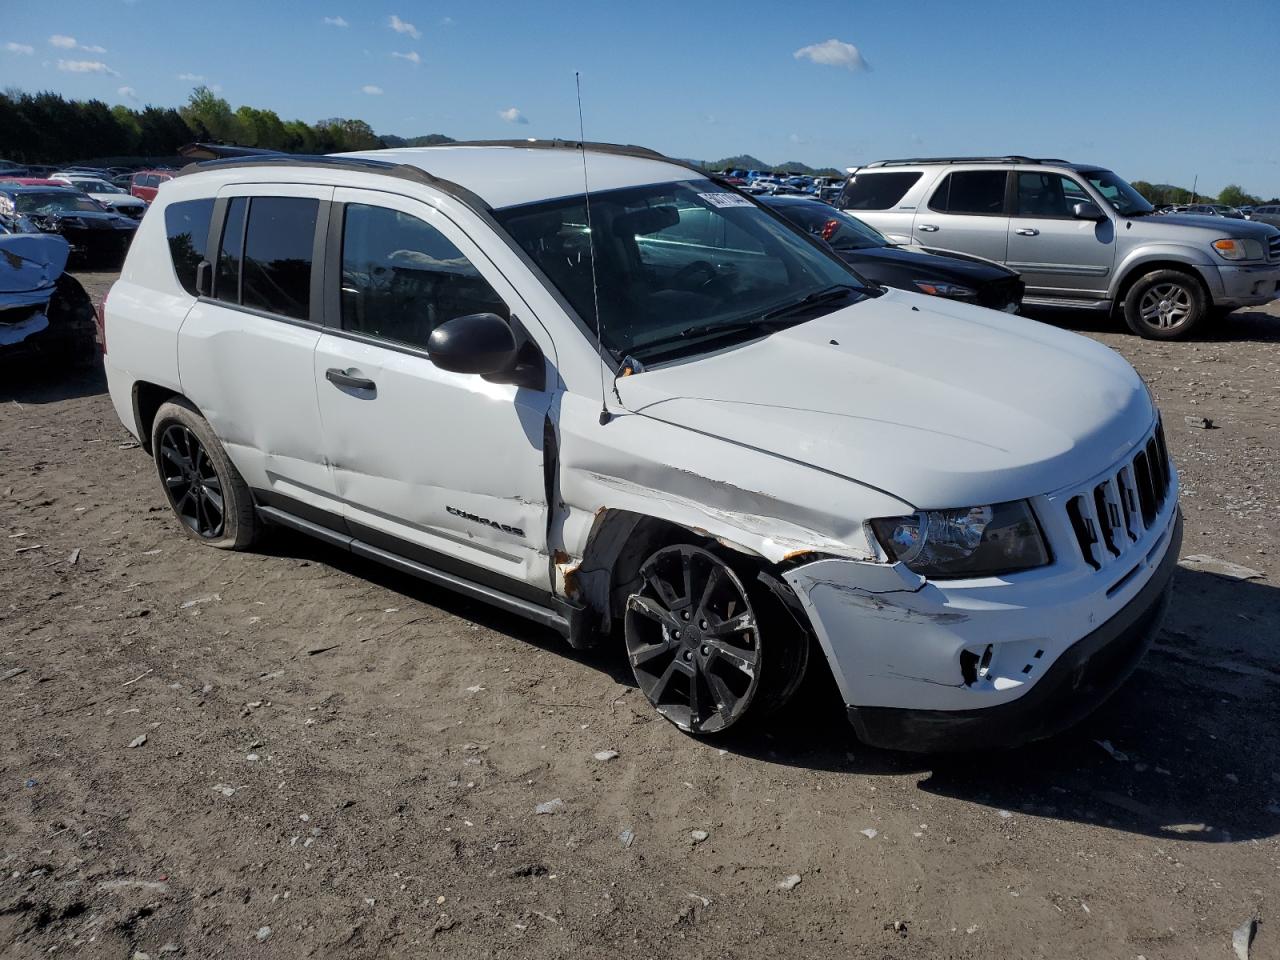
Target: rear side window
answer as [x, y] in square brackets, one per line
[972, 192]
[277, 255]
[401, 277]
[876, 191]
[187, 224]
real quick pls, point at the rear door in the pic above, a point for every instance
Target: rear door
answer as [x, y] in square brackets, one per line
[443, 468]
[246, 352]
[967, 211]
[1058, 255]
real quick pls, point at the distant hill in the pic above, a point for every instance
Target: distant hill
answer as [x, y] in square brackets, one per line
[746, 161]
[430, 140]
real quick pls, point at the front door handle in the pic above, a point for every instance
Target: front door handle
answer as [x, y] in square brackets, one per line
[1027, 232]
[341, 378]
[927, 228]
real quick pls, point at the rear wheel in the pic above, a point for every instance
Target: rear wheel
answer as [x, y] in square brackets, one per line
[709, 647]
[205, 490]
[1165, 305]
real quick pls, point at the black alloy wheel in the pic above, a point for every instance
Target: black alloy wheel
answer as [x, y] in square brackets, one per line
[191, 482]
[693, 639]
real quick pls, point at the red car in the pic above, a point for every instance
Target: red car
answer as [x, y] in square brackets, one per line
[145, 183]
[31, 182]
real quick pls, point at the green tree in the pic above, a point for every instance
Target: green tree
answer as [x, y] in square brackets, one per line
[1234, 196]
[209, 116]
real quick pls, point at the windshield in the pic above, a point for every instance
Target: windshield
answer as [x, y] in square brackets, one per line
[95, 186]
[1125, 200]
[66, 201]
[675, 262]
[842, 231]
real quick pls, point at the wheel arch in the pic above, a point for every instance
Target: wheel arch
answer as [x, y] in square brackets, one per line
[1133, 271]
[148, 398]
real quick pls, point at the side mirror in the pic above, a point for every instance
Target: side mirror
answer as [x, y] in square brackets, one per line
[480, 343]
[1087, 211]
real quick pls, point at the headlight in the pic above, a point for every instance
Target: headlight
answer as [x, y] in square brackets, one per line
[1232, 249]
[970, 542]
[939, 289]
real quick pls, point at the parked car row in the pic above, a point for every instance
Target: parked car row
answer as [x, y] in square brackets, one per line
[139, 184]
[1079, 236]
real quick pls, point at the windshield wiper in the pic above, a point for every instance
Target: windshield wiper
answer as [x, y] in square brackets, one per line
[838, 291]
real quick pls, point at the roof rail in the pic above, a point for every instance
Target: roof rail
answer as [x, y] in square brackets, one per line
[1011, 158]
[362, 164]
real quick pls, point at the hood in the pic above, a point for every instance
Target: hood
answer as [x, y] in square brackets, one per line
[938, 403]
[30, 265]
[1175, 225]
[930, 265]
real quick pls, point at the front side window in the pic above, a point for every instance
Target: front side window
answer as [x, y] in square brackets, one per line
[876, 191]
[1048, 195]
[1124, 199]
[277, 255]
[187, 224]
[401, 277]
[972, 192]
[677, 265]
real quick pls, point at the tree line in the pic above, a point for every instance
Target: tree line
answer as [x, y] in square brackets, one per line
[1232, 195]
[48, 128]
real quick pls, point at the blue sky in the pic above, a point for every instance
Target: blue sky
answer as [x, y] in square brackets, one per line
[1161, 92]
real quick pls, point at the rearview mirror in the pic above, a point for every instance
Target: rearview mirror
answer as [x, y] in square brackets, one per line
[1088, 210]
[480, 343]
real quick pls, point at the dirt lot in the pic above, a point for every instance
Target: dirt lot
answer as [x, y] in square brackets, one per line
[341, 762]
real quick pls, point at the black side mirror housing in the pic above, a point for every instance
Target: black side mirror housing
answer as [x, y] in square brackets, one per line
[479, 343]
[1088, 210]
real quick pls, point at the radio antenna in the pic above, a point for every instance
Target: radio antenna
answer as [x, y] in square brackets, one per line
[591, 248]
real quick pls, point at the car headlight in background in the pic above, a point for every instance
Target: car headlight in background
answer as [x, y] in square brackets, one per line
[938, 288]
[1232, 249]
[969, 542]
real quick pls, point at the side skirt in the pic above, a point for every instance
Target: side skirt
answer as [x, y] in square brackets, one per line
[564, 618]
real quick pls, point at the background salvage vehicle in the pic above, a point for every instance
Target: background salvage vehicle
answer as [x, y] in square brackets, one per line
[1080, 237]
[675, 422]
[44, 312]
[938, 273]
[107, 194]
[97, 235]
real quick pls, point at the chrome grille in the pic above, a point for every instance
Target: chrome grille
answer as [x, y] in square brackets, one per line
[1110, 517]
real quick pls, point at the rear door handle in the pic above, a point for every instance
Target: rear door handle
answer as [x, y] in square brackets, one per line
[1027, 232]
[341, 378]
[927, 228]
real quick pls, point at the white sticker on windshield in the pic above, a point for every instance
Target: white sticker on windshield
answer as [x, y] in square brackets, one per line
[725, 200]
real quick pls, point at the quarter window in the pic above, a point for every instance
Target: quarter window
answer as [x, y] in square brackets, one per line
[226, 284]
[971, 192]
[401, 277]
[876, 191]
[1048, 195]
[277, 255]
[187, 224]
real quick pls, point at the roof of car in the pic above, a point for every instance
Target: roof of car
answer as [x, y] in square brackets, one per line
[499, 173]
[1010, 158]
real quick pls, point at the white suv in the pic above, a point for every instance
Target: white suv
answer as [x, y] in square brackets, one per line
[752, 454]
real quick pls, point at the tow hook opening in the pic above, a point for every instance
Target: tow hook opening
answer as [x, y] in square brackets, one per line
[974, 666]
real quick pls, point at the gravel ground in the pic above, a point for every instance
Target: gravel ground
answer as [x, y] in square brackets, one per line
[292, 753]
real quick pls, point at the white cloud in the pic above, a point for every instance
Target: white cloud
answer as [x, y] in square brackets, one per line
[63, 42]
[512, 115]
[336, 22]
[86, 66]
[833, 53]
[193, 77]
[128, 93]
[371, 90]
[448, 22]
[400, 26]
[412, 56]
[23, 48]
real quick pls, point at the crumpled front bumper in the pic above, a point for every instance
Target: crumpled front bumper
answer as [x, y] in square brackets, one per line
[1059, 647]
[1250, 285]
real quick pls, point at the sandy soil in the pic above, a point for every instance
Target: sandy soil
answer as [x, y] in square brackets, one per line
[341, 762]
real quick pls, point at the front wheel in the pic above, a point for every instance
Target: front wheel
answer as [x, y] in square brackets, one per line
[1165, 305]
[707, 650]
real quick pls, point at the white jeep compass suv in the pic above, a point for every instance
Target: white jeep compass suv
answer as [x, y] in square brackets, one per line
[664, 414]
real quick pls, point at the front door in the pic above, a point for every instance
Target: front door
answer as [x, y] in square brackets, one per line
[1058, 255]
[443, 468]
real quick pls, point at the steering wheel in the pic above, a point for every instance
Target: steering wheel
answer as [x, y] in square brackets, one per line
[690, 271]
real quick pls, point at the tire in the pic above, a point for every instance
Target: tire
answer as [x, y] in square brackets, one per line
[205, 491]
[710, 647]
[1166, 305]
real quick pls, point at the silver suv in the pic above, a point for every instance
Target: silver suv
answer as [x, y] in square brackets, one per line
[1080, 236]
